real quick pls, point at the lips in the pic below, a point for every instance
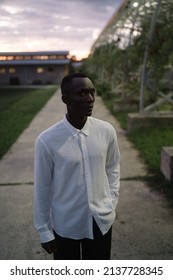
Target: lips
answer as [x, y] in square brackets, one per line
[89, 108]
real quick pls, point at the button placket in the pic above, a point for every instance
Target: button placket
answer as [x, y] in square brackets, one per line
[85, 163]
[87, 177]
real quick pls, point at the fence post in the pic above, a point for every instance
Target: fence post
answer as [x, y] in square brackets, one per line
[146, 53]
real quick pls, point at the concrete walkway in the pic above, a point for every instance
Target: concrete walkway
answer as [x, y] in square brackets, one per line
[144, 225]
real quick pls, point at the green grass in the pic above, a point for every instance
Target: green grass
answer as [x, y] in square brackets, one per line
[17, 109]
[149, 142]
[121, 115]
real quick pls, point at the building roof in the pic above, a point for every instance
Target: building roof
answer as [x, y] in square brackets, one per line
[35, 53]
[35, 62]
[35, 58]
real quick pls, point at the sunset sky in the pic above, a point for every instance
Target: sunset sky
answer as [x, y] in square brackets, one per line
[52, 25]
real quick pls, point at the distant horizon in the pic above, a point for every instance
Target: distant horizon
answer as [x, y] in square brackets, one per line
[71, 55]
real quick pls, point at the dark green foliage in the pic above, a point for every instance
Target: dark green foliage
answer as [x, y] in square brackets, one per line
[121, 67]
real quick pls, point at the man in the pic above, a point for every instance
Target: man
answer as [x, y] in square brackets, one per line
[76, 178]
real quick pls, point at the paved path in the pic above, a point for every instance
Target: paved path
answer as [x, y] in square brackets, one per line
[144, 225]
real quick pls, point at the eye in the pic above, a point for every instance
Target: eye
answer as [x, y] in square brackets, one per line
[82, 93]
[85, 92]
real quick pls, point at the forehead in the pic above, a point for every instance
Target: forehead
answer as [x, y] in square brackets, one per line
[80, 82]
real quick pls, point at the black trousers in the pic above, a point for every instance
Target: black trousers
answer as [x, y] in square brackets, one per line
[98, 248]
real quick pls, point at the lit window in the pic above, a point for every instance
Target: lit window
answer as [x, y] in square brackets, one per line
[12, 70]
[10, 57]
[2, 57]
[42, 57]
[27, 57]
[52, 56]
[2, 70]
[18, 57]
[40, 70]
[61, 57]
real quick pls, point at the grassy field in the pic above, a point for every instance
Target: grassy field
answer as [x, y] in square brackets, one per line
[17, 108]
[149, 142]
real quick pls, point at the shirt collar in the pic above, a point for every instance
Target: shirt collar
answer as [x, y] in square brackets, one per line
[75, 131]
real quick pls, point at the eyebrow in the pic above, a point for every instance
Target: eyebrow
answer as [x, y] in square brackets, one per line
[86, 88]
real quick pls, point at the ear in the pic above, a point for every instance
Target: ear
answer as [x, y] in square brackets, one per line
[64, 99]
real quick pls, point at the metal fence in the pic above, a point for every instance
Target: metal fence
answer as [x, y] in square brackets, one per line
[134, 54]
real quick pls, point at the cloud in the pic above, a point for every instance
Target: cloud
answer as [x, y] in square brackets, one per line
[53, 24]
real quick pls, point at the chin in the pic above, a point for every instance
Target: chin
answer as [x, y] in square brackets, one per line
[89, 114]
[86, 114]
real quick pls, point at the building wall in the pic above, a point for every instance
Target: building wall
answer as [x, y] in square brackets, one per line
[32, 74]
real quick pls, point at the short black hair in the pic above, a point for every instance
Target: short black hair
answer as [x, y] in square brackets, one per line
[67, 80]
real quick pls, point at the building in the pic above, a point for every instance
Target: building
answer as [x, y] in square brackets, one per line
[33, 68]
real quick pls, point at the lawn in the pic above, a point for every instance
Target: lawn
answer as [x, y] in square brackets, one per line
[17, 109]
[149, 142]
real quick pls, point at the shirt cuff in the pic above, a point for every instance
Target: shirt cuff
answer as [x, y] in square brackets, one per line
[46, 236]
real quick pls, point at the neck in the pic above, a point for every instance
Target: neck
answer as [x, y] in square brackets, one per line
[76, 121]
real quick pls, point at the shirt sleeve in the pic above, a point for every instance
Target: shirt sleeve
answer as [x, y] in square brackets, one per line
[43, 167]
[113, 167]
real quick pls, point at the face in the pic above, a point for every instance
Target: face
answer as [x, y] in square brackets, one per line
[80, 100]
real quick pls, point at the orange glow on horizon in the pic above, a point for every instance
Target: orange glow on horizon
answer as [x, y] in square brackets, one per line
[79, 54]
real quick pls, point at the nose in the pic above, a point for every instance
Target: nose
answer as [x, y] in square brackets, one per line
[90, 98]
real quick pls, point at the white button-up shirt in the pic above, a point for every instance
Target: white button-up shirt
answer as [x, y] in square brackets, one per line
[76, 179]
